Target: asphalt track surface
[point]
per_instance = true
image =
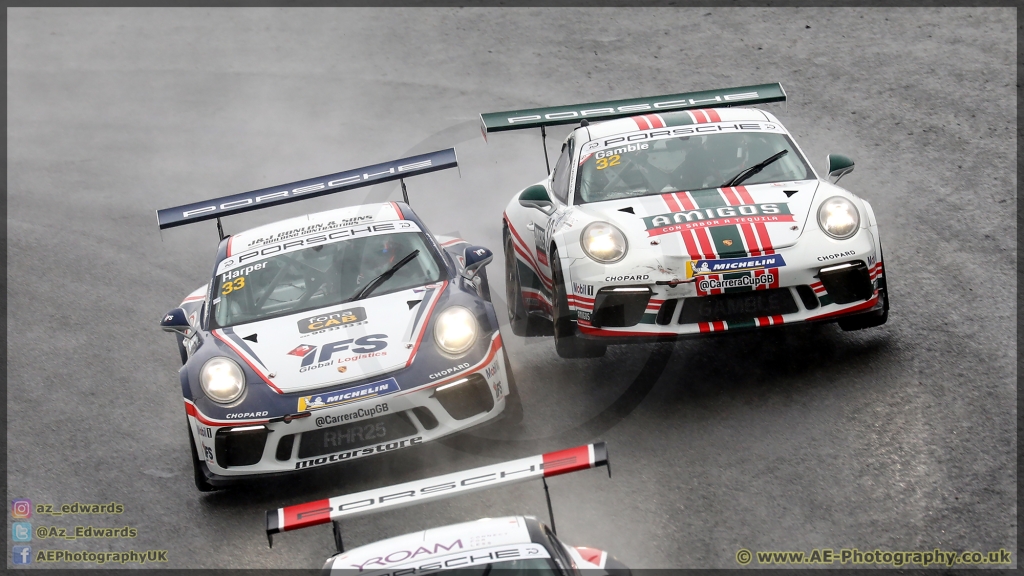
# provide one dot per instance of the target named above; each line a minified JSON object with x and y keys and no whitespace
{"x":898,"y":438}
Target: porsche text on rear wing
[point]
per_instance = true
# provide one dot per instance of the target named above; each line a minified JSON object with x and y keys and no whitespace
{"x":398,"y":496}
{"x":310,"y":188}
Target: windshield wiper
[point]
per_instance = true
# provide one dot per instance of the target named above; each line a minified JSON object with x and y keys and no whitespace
{"x":754,"y":169}
{"x":376,"y":282}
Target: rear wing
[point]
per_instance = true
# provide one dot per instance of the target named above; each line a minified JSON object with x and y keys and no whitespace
{"x":439,"y":487}
{"x":611,"y":109}
{"x":311,"y":188}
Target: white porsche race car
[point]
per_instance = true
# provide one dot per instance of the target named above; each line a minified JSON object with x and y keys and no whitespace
{"x":519,"y":543}
{"x":334,"y":336}
{"x":693,"y":218}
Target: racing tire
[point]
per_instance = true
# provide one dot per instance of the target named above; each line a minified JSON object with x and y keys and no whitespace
{"x":568,"y":341}
{"x":870,"y":319}
{"x":181,"y":348}
{"x":518,"y":317}
{"x":202,"y":484}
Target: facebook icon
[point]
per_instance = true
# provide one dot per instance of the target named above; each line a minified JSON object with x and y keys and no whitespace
{"x":21,"y":554}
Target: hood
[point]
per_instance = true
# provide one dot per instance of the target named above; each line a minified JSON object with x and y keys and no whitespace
{"x":338,"y":344}
{"x":731,"y":222}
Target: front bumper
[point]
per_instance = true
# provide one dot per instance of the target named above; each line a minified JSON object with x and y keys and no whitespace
{"x":819,"y":283}
{"x":231,"y":450}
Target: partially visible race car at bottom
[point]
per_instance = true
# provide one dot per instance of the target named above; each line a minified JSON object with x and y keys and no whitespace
{"x":521,"y":543}
{"x":334,"y":336}
{"x":684,"y":215}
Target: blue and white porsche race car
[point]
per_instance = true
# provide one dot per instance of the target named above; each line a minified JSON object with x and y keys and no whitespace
{"x":336,"y":335}
{"x":692,"y":218}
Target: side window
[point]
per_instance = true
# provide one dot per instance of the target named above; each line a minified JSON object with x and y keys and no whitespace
{"x":560,"y":181}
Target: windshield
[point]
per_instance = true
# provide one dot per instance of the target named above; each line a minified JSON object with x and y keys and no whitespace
{"x":685,"y":163}
{"x":321,"y":275}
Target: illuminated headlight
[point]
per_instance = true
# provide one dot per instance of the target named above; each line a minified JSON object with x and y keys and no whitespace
{"x":838,"y":217}
{"x":455,"y":330}
{"x":222,"y":379}
{"x":603,"y":242}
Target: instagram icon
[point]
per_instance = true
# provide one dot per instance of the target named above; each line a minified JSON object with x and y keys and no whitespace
{"x":21,"y":508}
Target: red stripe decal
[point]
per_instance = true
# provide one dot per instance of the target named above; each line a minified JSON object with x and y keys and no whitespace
{"x":526,"y":253}
{"x":687,"y":200}
{"x":426,"y":320}
{"x":399,"y":210}
{"x":230,"y":240}
{"x":712,"y":114}
{"x":857,"y":308}
{"x":762,"y":230}
{"x":192,"y":411}
{"x":308,"y":514}
{"x":263,"y":376}
{"x":565,"y":461}
{"x":671,"y":201}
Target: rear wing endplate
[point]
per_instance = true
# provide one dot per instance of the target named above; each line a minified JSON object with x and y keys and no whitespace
{"x":311,"y":188}
{"x":436,"y":488}
{"x":572,"y":114}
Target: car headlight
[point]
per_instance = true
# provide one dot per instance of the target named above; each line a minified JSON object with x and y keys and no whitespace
{"x":222,"y":379}
{"x":603,"y":242}
{"x":838,"y":217}
{"x":455,"y":330}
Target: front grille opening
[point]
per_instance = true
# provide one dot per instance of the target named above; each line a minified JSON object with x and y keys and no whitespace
{"x":466,"y":399}
{"x":239,"y":447}
{"x":355,"y":435}
{"x":738,"y":306}
{"x":284,"y":447}
{"x":620,"y":307}
{"x":849,"y":284}
{"x":668,"y":309}
{"x":425,"y":416}
{"x":807,"y":296}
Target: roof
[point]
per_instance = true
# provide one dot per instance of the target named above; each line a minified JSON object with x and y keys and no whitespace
{"x":680,"y":118}
{"x":416,"y":547}
{"x":325,"y":221}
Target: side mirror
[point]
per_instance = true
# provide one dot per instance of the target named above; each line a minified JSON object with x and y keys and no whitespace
{"x":175,"y":321}
{"x":536,"y":196}
{"x":476,"y":257}
{"x":839,"y":166}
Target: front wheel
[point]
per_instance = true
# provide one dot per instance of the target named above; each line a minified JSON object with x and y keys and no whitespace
{"x":568,"y":342}
{"x":518,"y":318}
